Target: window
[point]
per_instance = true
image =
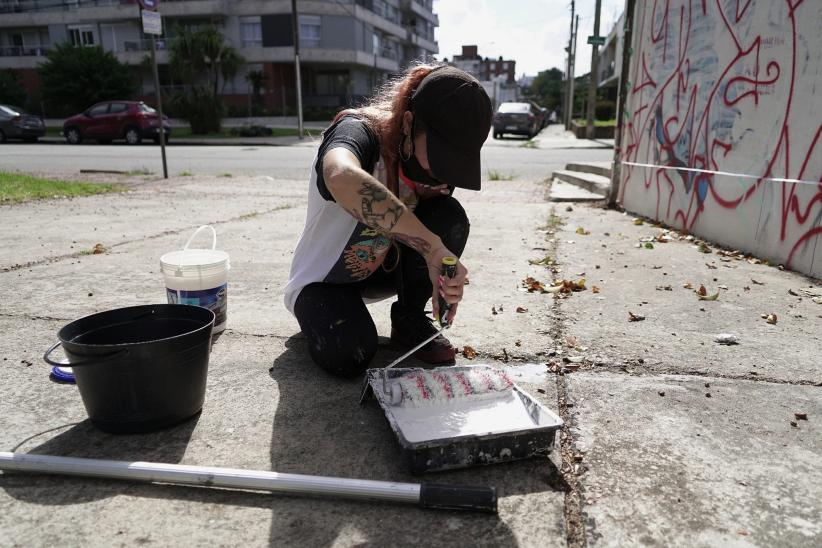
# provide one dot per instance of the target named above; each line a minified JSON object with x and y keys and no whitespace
{"x":147,"y":109}
{"x":118,"y":108}
{"x":310,"y":26}
{"x":493,"y":66}
{"x":81,"y":36}
{"x":505,"y":66}
{"x":251,"y":32}
{"x":98,"y":110}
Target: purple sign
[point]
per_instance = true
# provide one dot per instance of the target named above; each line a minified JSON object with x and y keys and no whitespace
{"x":149,"y":4}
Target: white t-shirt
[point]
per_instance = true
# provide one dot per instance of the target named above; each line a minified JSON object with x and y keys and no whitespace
{"x":334,"y":247}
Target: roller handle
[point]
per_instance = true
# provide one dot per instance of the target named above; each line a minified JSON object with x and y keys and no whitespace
{"x":458,"y":497}
{"x":449,"y":269}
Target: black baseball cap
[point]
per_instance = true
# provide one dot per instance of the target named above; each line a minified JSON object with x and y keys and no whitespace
{"x":457,"y":113}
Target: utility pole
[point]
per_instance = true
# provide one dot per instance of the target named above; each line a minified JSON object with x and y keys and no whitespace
{"x":573,"y":69}
{"x":295,"y":24}
{"x":594,"y":79}
{"x":624,"y":84}
{"x":570,"y":76}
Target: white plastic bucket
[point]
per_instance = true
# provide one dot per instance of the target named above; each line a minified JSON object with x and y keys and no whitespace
{"x":199,"y":277}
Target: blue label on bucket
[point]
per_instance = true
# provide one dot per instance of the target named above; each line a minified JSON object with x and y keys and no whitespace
{"x":215,"y":299}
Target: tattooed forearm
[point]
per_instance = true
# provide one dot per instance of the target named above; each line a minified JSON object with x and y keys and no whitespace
{"x":414,"y":242}
{"x":380,"y":209}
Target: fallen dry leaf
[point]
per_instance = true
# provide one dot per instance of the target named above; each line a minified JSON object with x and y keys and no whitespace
{"x":702,"y":292}
{"x":494,"y":310}
{"x":770,"y":318}
{"x":533,"y":285}
{"x":793,"y":293}
{"x":518,"y":343}
{"x":713,"y":297}
{"x":664,"y":288}
{"x":595,"y":289}
{"x":639,"y":222}
{"x":801,"y":416}
{"x":571,"y":366}
{"x":521,"y":309}
{"x":757,"y":283}
{"x":469,"y":352}
{"x":571,"y":341}
{"x":582,"y":231}
{"x":634,"y":317}
{"x":98,"y":249}
{"x":711,"y":266}
{"x":688,"y":285}
{"x":705,"y":248}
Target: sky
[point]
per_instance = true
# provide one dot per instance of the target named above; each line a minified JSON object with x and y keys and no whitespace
{"x":534,"y":33}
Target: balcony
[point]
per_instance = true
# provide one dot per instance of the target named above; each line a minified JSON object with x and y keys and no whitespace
{"x":25,"y":6}
{"x":23,"y":51}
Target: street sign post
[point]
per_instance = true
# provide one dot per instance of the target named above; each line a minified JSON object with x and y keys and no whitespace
{"x":153,"y":25}
{"x":596,"y":40}
{"x":152,"y":22}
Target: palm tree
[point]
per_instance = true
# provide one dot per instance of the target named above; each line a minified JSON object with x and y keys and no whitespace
{"x":200,"y":59}
{"x":204,"y":55}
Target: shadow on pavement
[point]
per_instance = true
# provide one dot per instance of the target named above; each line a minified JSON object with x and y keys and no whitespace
{"x":321,"y":429}
{"x":83,"y":440}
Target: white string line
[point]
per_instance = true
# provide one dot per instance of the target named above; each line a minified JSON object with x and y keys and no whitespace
{"x":726,"y":173}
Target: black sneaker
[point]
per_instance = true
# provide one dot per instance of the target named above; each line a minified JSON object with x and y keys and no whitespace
{"x":410,"y":328}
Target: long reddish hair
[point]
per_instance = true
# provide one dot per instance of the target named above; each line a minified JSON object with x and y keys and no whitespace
{"x":383,"y":114}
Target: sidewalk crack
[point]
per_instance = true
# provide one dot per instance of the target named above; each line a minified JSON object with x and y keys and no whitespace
{"x":75,"y":255}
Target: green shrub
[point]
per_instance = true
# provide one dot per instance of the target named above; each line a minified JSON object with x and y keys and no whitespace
{"x":605,"y":110}
{"x":11,"y":91}
{"x":252,"y":131}
{"x":74,"y":78}
{"x":200,"y":108}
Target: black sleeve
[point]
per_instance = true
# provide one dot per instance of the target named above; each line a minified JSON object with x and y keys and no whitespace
{"x":353,"y":134}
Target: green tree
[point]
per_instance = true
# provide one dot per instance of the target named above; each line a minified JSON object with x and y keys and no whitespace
{"x":74,"y":78}
{"x":11,"y":91}
{"x":202,"y":60}
{"x":257,"y":79}
{"x":547,"y":88}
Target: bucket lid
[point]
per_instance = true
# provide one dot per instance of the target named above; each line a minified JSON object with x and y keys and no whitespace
{"x":62,"y":374}
{"x":193,"y":259}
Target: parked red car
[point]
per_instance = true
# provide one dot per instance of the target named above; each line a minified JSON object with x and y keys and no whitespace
{"x":104,"y":122}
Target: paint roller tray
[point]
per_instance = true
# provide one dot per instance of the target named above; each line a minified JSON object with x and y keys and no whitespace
{"x":508,"y":425}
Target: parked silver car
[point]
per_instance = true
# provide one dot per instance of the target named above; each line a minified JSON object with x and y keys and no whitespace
{"x":15,"y":123}
{"x":517,"y":118}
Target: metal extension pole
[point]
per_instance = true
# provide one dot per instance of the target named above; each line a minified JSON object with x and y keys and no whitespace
{"x":454,"y":497}
{"x":295,"y":23}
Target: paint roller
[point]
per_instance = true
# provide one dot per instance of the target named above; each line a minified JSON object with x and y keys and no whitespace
{"x":444,"y":386}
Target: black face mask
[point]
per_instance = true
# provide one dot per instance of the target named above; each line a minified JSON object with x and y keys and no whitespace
{"x":412,"y":169}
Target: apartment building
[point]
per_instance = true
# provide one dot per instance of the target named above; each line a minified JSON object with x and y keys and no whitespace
{"x":484,"y":68}
{"x":347,"y":47}
{"x":497,"y":76}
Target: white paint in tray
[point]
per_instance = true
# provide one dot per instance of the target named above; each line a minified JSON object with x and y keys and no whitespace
{"x":510,"y":412}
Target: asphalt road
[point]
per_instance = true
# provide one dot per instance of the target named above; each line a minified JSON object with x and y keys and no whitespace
{"x":506,"y":157}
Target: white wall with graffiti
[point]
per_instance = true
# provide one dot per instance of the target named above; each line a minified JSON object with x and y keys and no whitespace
{"x":722,"y":133}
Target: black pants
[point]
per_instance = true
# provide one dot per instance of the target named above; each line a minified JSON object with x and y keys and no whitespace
{"x":342,"y":337}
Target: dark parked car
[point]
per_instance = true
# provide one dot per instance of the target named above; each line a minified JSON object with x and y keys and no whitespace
{"x":16,"y":124}
{"x":517,"y":118}
{"x":104,"y":122}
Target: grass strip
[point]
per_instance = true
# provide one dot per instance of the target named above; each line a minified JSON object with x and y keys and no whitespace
{"x":19,"y":187}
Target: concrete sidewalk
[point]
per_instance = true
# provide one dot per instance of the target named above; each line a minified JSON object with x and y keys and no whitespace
{"x":647,"y":456}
